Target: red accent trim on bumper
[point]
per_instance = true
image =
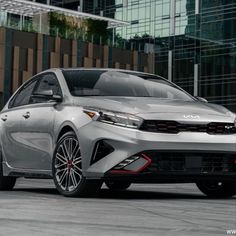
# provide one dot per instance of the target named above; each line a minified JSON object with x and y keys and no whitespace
{"x":149,"y":161}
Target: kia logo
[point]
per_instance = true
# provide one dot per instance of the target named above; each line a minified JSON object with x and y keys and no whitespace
{"x":191,"y":116}
{"x":229,"y":127}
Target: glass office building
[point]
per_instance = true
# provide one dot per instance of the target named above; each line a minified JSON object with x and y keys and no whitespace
{"x":194,"y":41}
{"x":70,"y":4}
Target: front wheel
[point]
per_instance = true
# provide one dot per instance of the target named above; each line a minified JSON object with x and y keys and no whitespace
{"x":117,"y":185}
{"x":67,"y":169}
{"x":217,"y":189}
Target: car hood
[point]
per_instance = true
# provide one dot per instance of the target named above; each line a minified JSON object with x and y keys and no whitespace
{"x":153,"y":108}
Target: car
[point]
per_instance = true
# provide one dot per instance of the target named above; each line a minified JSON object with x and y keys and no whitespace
{"x":85,"y":127}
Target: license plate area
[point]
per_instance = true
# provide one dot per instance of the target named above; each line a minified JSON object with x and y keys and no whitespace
{"x":195,"y":162}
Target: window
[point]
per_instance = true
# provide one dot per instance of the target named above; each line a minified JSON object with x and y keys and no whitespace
{"x":121,"y":84}
{"x":48,"y":82}
{"x":23,"y":96}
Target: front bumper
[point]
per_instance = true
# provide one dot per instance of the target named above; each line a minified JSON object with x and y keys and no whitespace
{"x":129,"y":142}
{"x":180,"y":166}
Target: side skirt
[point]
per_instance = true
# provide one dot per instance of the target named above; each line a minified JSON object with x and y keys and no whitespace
{"x":28,"y":173}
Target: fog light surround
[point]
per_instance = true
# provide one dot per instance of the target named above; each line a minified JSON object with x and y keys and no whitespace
{"x":132,"y":165}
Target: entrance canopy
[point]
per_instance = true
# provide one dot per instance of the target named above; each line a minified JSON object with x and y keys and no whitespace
{"x":31,"y":9}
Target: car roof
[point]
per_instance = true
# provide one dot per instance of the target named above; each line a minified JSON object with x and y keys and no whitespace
{"x":111,"y":69}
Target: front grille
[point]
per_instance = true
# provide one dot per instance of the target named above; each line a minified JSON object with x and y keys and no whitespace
{"x":217,"y":164}
{"x":191,"y":161}
{"x":173,"y":127}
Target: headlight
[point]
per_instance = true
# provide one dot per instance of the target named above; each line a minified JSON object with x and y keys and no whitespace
{"x":114,"y":118}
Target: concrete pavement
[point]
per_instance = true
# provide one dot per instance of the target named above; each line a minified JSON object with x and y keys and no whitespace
{"x":35,"y":208}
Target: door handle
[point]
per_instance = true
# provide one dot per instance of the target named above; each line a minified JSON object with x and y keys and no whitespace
{"x":4,"y":118}
{"x":26,"y":115}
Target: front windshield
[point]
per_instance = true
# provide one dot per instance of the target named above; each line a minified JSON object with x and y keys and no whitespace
{"x":122,"y":84}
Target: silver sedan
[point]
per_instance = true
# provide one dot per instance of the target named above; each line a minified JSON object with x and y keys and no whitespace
{"x":83,"y":127}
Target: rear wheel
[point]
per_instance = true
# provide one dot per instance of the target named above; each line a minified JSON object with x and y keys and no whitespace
{"x":67,"y":169}
{"x":217,"y":189}
{"x":6,"y":182}
{"x":117,"y":185}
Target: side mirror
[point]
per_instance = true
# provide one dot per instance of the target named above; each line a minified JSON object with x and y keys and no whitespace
{"x":47,"y":95}
{"x":201,"y":99}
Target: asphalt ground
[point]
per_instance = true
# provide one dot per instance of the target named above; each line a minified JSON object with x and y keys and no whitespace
{"x":34,"y":207}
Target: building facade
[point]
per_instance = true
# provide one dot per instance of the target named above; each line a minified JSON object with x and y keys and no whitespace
{"x":194,"y":41}
{"x":24,"y":54}
{"x":190,"y":42}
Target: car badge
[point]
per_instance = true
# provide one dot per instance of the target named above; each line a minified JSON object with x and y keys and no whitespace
{"x":191,"y":116}
{"x":229,"y":127}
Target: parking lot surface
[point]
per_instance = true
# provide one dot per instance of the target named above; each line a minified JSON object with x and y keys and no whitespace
{"x":34,"y":207}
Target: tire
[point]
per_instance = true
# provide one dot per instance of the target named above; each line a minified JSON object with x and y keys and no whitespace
{"x":67,"y":169}
{"x":117,"y":185}
{"x":6,"y":182}
{"x":217,"y":189}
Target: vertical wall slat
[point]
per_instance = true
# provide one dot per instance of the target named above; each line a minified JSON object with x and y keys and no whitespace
{"x":65,"y":61}
{"x":135,"y":60}
{"x":105,"y":56}
{"x":2,"y":58}
{"x":16,"y":62}
{"x":39,"y":53}
{"x":30,"y":60}
{"x":8,"y":65}
{"x":74,"y":53}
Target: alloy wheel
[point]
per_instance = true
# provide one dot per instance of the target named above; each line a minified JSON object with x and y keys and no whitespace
{"x":68,"y":164}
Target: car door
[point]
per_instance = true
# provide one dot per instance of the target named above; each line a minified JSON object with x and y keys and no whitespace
{"x":37,"y":128}
{"x":11,"y":121}
{"x":35,"y":134}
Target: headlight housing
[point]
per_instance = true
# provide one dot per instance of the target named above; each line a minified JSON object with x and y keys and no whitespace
{"x":114,"y":118}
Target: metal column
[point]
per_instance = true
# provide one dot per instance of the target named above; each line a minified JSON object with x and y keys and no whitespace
{"x":172,"y":33}
{"x":40,"y":22}
{"x":172,"y":17}
{"x":170,"y":65}
{"x":195,"y":83}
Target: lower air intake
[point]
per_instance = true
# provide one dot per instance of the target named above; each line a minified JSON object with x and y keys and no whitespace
{"x":102,"y":149}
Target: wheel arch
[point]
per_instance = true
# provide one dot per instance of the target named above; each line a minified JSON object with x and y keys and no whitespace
{"x":66,"y":128}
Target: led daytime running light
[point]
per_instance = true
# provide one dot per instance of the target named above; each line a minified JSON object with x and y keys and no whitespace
{"x":115,"y":118}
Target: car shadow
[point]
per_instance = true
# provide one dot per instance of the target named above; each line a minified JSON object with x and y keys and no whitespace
{"x":138,"y":194}
{"x":50,"y":191}
{"x":122,"y":194}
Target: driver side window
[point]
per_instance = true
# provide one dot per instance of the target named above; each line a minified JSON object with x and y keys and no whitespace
{"x":23,"y":96}
{"x":46,"y":82}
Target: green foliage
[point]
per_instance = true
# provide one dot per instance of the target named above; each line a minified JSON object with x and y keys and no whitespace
{"x":60,"y":24}
{"x":57,"y":23}
{"x":96,"y":27}
{"x":28,"y":27}
{"x":65,"y":26}
{"x":119,"y":41}
{"x":57,"y":19}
